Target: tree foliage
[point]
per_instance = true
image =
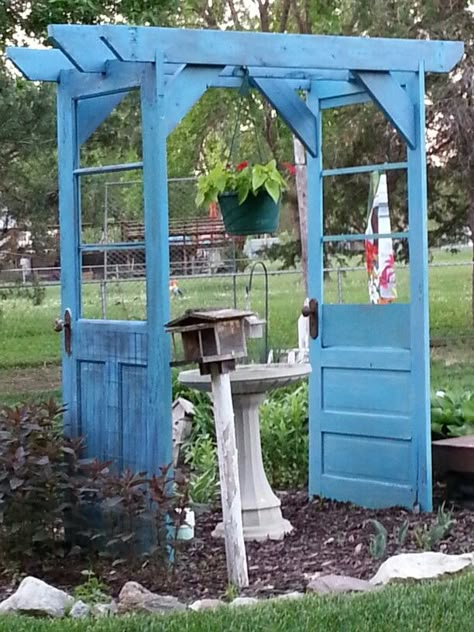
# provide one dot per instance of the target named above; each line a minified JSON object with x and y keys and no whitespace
{"x":353,"y":135}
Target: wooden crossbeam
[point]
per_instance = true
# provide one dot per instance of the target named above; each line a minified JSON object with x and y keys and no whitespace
{"x":86,"y":53}
{"x":393,"y":101}
{"x":268,"y":49}
{"x":39,"y":64}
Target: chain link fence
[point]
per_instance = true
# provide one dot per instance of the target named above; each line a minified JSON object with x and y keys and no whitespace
{"x":207,"y":269}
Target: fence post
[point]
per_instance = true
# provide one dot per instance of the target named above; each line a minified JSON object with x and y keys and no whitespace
{"x":339,"y":286}
{"x":103,"y":299}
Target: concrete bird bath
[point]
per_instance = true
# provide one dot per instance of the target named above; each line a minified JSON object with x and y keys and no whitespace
{"x":261,"y":512}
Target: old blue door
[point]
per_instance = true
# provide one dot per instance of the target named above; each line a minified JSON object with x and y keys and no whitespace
{"x":116,"y":376}
{"x":369,"y":393}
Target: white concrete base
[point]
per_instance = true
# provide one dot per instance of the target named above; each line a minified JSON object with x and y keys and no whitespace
{"x":262,"y":532}
{"x":261,"y":509}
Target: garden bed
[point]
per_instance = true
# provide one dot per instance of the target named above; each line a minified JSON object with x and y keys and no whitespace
{"x":329,"y":537}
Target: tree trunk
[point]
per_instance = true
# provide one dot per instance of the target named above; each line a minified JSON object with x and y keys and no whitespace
{"x":301,"y":191}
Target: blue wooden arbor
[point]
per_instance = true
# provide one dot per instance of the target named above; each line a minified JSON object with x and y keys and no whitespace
{"x":369,"y":395}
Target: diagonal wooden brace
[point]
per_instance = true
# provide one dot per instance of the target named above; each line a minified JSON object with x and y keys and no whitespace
{"x":393,"y":101}
{"x":292,"y":109}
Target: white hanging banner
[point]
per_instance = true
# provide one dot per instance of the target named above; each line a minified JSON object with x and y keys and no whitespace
{"x":379,"y":255}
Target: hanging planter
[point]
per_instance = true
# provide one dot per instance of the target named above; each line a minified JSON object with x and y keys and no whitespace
{"x":248,"y":196}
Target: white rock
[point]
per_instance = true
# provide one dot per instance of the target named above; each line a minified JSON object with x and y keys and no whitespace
{"x":421,"y":566}
{"x":291,"y":596}
{"x":36,"y":597}
{"x":80,"y":610}
{"x":104,"y":609}
{"x":205,"y":604}
{"x":243,"y":601}
{"x":326,"y":584}
{"x":136,"y":598}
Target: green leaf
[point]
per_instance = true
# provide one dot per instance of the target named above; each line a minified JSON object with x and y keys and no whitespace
{"x":199,"y":200}
{"x":243,"y":190}
{"x":258,"y":178}
{"x":467,"y":410}
{"x":273,"y":190}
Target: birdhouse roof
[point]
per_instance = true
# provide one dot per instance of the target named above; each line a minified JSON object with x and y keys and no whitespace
{"x":198,"y":316}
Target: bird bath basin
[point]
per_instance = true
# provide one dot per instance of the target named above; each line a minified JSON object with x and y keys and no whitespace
{"x":261,"y":511}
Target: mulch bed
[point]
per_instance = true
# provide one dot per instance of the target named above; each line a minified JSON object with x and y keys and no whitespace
{"x":328,"y":537}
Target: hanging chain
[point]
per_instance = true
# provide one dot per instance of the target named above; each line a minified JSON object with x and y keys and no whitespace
{"x":245,"y":92}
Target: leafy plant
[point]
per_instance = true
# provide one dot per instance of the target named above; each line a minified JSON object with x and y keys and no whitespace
{"x":42,"y":479}
{"x":244,"y":179}
{"x":124,"y":500}
{"x":452,"y":416}
{"x":231,"y":593}
{"x":92,"y":591}
{"x":427,"y":538}
{"x":401,"y":534}
{"x":284,"y":436}
{"x":169,"y":495}
{"x":201,"y":456}
{"x":378,"y":541}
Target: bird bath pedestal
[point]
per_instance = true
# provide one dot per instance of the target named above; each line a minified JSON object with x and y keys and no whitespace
{"x":261,"y":512}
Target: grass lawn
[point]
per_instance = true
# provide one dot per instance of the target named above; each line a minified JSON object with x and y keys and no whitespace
{"x":444,"y":606}
{"x":27,"y":338}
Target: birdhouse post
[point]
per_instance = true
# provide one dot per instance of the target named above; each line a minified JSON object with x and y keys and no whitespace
{"x":215,"y":339}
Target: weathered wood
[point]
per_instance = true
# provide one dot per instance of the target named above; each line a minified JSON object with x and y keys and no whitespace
{"x":255,"y":49}
{"x":301,"y":192}
{"x":229,"y":479}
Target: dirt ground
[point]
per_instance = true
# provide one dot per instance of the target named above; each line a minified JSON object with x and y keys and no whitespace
{"x":31,"y":380}
{"x":328,"y":537}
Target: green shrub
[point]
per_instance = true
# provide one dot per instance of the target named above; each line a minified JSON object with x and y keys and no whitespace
{"x":284,"y":434}
{"x":452,"y":416}
{"x":41,"y":478}
{"x":53,"y":502}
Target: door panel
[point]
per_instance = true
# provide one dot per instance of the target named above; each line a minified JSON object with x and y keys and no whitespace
{"x":133,"y":415}
{"x":366,"y":409}
{"x":110,"y":357}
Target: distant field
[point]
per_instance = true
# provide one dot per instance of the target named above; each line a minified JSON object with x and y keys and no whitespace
{"x":27,"y":338}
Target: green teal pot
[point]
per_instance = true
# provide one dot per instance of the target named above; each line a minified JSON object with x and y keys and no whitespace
{"x":257,"y":215}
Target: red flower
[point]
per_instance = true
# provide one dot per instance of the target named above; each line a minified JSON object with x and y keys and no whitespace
{"x":290,"y":168}
{"x":241,"y":166}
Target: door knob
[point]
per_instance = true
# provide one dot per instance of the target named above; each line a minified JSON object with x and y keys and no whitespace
{"x":64,"y":324}
{"x":311,"y":311}
{"x":58,"y":324}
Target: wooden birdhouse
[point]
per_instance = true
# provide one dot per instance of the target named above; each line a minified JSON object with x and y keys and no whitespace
{"x":212,"y":336}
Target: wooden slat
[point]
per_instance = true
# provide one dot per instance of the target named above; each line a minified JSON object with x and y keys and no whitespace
{"x":367,"y":492}
{"x":370,"y":424}
{"x":372,"y":358}
{"x":366,"y":391}
{"x":346,"y":456}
